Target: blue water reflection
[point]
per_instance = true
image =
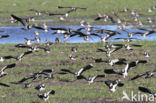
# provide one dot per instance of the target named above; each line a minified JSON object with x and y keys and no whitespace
{"x":17,"y":35}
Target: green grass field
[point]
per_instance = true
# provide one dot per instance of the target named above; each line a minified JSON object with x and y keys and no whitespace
{"x":78,"y":91}
{"x":21,"y":8}
{"x":58,"y":58}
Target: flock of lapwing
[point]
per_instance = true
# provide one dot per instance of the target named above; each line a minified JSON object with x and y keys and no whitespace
{"x":86,"y":31}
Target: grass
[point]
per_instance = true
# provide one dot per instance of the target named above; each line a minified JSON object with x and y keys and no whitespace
{"x":21,"y":8}
{"x":78,"y":91}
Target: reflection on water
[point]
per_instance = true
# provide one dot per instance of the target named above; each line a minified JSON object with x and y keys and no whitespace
{"x":17,"y":35}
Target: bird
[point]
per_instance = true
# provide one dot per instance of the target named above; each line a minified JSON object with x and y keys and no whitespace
{"x":33,"y":77}
{"x":29,"y":47}
{"x":19,"y":58}
{"x":40,"y":87}
{"x":92,"y":79}
{"x":146,"y":90}
{"x":65,"y":31}
{"x":4,"y":85}
{"x":119,"y":21}
{"x":124,"y":71}
{"x":117,"y":61}
{"x":36,"y":33}
{"x":2,"y":73}
{"x":134,"y":33}
{"x":61,"y":30}
{"x":131,"y":65}
{"x":71,"y":57}
{"x":58,"y":40}
{"x":22,"y":46}
{"x":80,"y":34}
{"x":126,"y":39}
{"x":125,"y":10}
{"x":127,"y":46}
{"x":74,"y":49}
{"x":27,"y":85}
{"x":112,"y":84}
{"x":112,"y":62}
{"x":153,"y":7}
{"x":22,"y":21}
{"x":146,"y":54}
{"x":28,"y":41}
{"x":3,"y":58}
{"x":44,"y":28}
{"x":109,"y":52}
{"x":78,"y":75}
{"x":45,"y":96}
{"x":105,"y":17}
{"x":46,"y":49}
{"x":73,"y":8}
{"x":147,"y":74}
{"x":38,"y":13}
{"x":99,"y":60}
{"x":149,"y":20}
{"x":116,"y":71}
{"x":4,"y":36}
{"x":110,"y":33}
{"x":53,"y":14}
{"x":149,"y":10}
{"x":148,"y":32}
{"x":37,"y":39}
{"x":48,"y":43}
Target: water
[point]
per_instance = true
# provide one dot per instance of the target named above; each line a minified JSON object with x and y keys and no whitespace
{"x":17,"y":34}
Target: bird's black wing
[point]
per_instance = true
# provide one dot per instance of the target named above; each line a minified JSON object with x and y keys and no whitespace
{"x":9,"y":66}
{"x":132,"y":64}
{"x":101,"y":50}
{"x":38,"y":27}
{"x":146,"y":90}
{"x":108,"y":82}
{"x":27,"y":52}
{"x":52,"y":14}
{"x":137,"y":76}
{"x":22,"y":80}
{"x":58,"y":29}
{"x":112,"y":19}
{"x":47,"y":70}
{"x":19,"y":19}
{"x":100,"y":60}
{"x":8,"y":57}
{"x":66,"y":70}
{"x":22,"y":46}
{"x":98,"y":18}
{"x":84,"y":69}
{"x":142,"y":61}
{"x":100,"y":76}
{"x":112,"y":71}
{"x":4,"y":36}
{"x":118,"y":38}
{"x":116,"y":49}
{"x":136,"y":45}
{"x":5,"y":85}
{"x":120,"y":84}
{"x":119,"y":45}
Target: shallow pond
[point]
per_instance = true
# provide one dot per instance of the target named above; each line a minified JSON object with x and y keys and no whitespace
{"x":17,"y":34}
